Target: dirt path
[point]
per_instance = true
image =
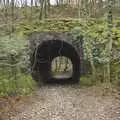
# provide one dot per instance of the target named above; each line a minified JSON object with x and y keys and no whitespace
{"x":69,"y":103}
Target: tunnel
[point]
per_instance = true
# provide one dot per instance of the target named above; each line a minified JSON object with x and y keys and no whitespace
{"x":45,"y":50}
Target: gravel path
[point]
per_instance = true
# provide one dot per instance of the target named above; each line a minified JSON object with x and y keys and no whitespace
{"x":69,"y":103}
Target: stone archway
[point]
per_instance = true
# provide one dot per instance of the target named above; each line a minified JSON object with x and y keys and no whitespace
{"x":45,"y":52}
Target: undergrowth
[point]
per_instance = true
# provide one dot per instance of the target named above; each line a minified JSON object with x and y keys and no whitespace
{"x":15,"y":76}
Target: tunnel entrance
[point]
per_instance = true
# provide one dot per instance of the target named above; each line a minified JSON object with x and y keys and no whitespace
{"x":44,"y":56}
{"x":61,"y":66}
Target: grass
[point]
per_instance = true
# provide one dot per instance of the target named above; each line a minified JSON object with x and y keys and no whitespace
{"x":19,"y":85}
{"x":86,"y":81}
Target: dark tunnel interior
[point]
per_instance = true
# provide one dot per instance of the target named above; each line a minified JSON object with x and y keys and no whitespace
{"x":46,"y":52}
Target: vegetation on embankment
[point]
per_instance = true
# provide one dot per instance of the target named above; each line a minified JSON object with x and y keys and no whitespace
{"x":95,"y":30}
{"x":14,"y":48}
{"x":14,"y":77}
{"x":64,"y":25}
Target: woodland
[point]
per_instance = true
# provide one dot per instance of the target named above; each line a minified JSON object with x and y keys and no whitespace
{"x":98,"y":21}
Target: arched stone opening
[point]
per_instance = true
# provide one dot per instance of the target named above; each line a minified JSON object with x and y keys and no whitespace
{"x":44,"y":55}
